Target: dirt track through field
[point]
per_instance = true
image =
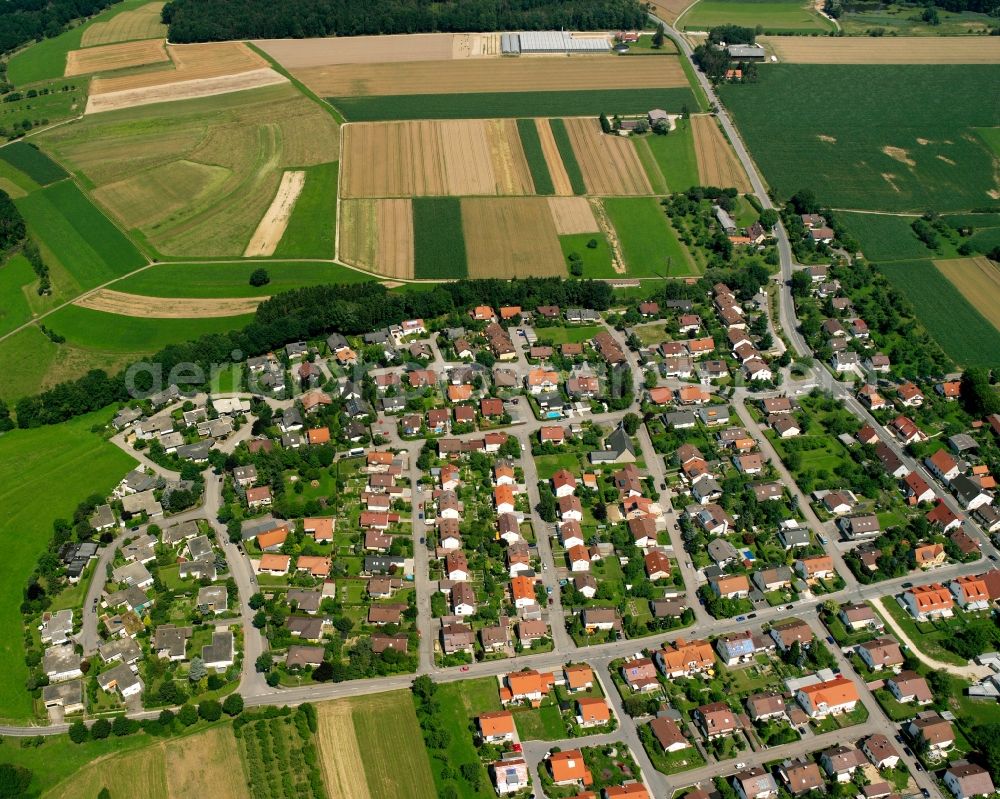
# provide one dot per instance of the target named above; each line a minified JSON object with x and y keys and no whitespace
{"x":272,"y":227}
{"x":978,"y":279}
{"x":493,"y":75}
{"x":118,"y":302}
{"x":115,"y":56}
{"x":433,"y":158}
{"x":183,"y":90}
{"x":557,"y":169}
{"x":609,"y":164}
{"x":573,"y":215}
{"x":511,"y":238}
{"x":297,"y":53}
{"x":340,"y":755}
{"x":717,"y":163}
{"x":884,"y":49}
{"x":142,"y":23}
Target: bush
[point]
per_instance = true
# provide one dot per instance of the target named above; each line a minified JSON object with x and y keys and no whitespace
{"x":233,"y":705}
{"x":259,"y":277}
{"x":210,"y":710}
{"x":78,"y":732}
{"x":187,"y":715}
{"x":100,"y":730}
{"x":14,"y":781}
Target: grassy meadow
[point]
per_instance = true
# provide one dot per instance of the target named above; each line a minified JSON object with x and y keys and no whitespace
{"x":774,"y":16}
{"x":438,"y":241}
{"x":32,"y":463}
{"x":313,"y":222}
{"x":596,"y":261}
{"x":891,"y":138}
{"x":647,"y":239}
{"x":16,"y":277}
{"x":672,"y":156}
{"x":32,"y":162}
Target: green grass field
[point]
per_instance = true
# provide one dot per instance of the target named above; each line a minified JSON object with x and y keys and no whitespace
{"x":565,"y":147}
{"x":218,"y":279}
{"x":648,"y":161}
{"x":311,"y":228}
{"x":438,"y":242}
{"x":14,"y":276}
{"x":512,"y":104}
{"x":543,"y":723}
{"x":774,"y":16}
{"x":885,"y":238}
{"x":647,"y":239}
{"x":528,"y":133}
{"x":926,"y":112}
{"x":32,"y":463}
{"x":674,"y":156}
{"x":573,"y":334}
{"x":32,"y":162}
{"x":548,"y":465}
{"x":396,"y":762}
{"x":959,"y":328}
{"x":27,"y":355}
{"x":109,"y":332}
{"x":14,"y":181}
{"x":84,"y":241}
{"x":900,"y":20}
{"x":597,"y":261}
{"x":56,"y":100}
{"x":455,"y":715}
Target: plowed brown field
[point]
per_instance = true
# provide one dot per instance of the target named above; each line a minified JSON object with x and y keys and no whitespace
{"x":511,"y":238}
{"x":884,"y":50}
{"x":493,"y":75}
{"x":427,"y":158}
{"x":377,"y":235}
{"x":717,"y":163}
{"x":115,"y":56}
{"x":573,"y":215}
{"x":609,"y":164}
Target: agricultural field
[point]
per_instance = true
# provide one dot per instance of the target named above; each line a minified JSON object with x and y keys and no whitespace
{"x":774,"y":16}
{"x":232,"y":279}
{"x":962,"y":331}
{"x":110,"y":57}
{"x":311,"y":229}
{"x":51,"y":102}
{"x":564,"y":153}
{"x":555,"y":166}
{"x":439,"y":247}
{"x":978,"y":280}
{"x":421,"y":158}
{"x":86,"y":464}
{"x":384,"y":727}
{"x":884,"y":237}
{"x":717,"y":162}
{"x":511,"y":238}
{"x":537,"y":155}
{"x":888,"y":148}
{"x":16,"y":278}
{"x":609,"y":164}
{"x":900,"y":20}
{"x":377,"y":235}
{"x":196,"y":177}
{"x":295,"y":54}
{"x":127,"y":26}
{"x":671,"y":157}
{"x":121,"y":303}
{"x":648,"y":243}
{"x":573,"y":215}
{"x":510,"y":75}
{"x":34,"y":164}
{"x":272,"y":226}
{"x":669,"y":10}
{"x":279,"y":758}
{"x":882,"y":50}
{"x":480,"y":105}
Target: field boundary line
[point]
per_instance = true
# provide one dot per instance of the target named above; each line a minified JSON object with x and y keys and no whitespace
{"x":332,"y":110}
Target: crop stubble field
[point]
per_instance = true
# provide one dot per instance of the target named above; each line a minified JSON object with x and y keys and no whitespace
{"x":377,"y":235}
{"x":717,"y":163}
{"x":978,"y":279}
{"x":123,"y":304}
{"x":557,"y":169}
{"x":110,"y":57}
{"x":884,"y":49}
{"x":511,"y":238}
{"x":447,"y":157}
{"x":196,"y":177}
{"x":127,"y":26}
{"x":573,"y":215}
{"x":609,"y":164}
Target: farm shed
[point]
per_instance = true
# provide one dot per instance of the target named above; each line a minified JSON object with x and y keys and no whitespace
{"x":551,"y":42}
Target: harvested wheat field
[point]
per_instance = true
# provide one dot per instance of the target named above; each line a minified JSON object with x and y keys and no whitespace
{"x":670,"y":10}
{"x":610,"y":164}
{"x":433,"y":158}
{"x":717,"y":163}
{"x":377,"y":235}
{"x":205,"y":764}
{"x":340,"y":754}
{"x":118,"y":302}
{"x":140,"y":773}
{"x":115,"y":56}
{"x":297,"y":53}
{"x":511,"y":238}
{"x":128,"y":26}
{"x":272,"y":227}
{"x":978,"y":279}
{"x":884,"y":49}
{"x":488,"y":75}
{"x":184,"y":90}
{"x":573,"y":215}
{"x":550,"y":151}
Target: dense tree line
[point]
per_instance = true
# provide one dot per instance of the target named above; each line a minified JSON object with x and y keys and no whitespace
{"x":12,"y":229}
{"x":303,"y":314}
{"x":22,"y":21}
{"x":215,"y":20}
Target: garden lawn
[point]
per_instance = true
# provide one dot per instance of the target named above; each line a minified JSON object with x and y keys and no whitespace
{"x":217,"y":279}
{"x":886,"y":137}
{"x":512,"y":104}
{"x":597,"y":260}
{"x":114,"y":333}
{"x":438,"y":240}
{"x":548,"y":465}
{"x":674,"y":156}
{"x":455,"y":718}
{"x":564,"y":335}
{"x":963,"y":333}
{"x":311,"y":227}
{"x":44,"y":474}
{"x":649,"y":245}
{"x":543,"y":723}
